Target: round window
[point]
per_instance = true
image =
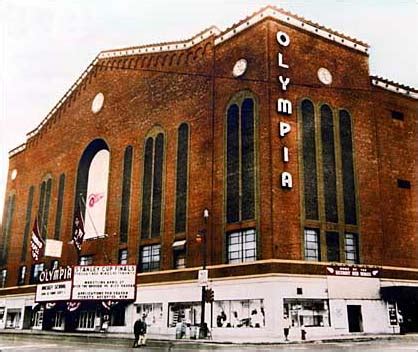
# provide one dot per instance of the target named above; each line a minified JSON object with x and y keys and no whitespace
{"x":97,"y":103}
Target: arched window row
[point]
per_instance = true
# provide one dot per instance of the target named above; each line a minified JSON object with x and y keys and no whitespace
{"x":327,"y":142}
{"x":240,"y":161}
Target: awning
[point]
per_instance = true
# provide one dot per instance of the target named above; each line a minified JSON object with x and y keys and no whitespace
{"x":178,"y":245}
{"x":400,"y":293}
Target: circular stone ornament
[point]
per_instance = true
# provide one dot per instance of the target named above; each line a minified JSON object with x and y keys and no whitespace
{"x":324,"y":76}
{"x":13,"y":174}
{"x":239,"y":68}
{"x":97,"y":103}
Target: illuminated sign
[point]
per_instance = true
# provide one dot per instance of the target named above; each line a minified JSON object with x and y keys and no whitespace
{"x":284,"y":107}
{"x":54,"y":291}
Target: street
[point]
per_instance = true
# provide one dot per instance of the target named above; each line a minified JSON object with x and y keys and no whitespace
{"x":28,"y":343}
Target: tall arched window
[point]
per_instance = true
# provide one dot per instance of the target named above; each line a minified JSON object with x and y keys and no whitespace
{"x":152,"y":187}
{"x":92,"y":187}
{"x":240,"y":161}
{"x":182,"y":177}
{"x":309,"y":161}
{"x":328,"y":160}
{"x":27,"y":223}
{"x":126,"y":194}
{"x":60,"y":202}
{"x":44,"y":202}
{"x":347,"y":168}
{"x":7,"y":225}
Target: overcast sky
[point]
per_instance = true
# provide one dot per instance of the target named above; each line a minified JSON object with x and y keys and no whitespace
{"x":46,"y":44}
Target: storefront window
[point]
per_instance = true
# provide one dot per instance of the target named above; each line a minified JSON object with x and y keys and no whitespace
{"x":307,"y":312}
{"x":189,"y":312}
{"x":153,"y":313}
{"x":239,"y":314}
{"x":58,"y":320}
{"x":86,"y":320}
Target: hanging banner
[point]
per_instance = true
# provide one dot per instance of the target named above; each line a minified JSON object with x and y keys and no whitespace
{"x":104,"y":282}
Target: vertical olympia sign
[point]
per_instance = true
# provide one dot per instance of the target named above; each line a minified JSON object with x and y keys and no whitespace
{"x":284,"y":107}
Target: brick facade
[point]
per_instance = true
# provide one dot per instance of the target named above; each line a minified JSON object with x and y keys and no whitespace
{"x":195,"y":86}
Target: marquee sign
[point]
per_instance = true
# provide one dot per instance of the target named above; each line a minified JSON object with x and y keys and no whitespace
{"x":54,"y":285}
{"x":284,"y":107}
{"x":104,"y":282}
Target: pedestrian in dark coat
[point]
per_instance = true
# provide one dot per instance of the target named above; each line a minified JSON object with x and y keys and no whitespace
{"x":140,"y":332}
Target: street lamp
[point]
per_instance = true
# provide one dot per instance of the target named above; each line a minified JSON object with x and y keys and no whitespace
{"x":201,"y":238}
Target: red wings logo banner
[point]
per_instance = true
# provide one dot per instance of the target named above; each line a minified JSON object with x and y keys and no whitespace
{"x":37,"y":244}
{"x":94,"y":198}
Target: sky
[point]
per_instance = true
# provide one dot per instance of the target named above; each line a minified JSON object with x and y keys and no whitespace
{"x":46,"y":44}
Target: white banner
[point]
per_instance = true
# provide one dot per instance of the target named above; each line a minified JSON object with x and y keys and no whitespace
{"x":96,"y":200}
{"x":53,"y":248}
{"x":54,"y":291}
{"x":107,"y":282}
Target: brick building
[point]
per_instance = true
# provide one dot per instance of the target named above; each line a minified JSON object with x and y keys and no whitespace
{"x":306,"y":164}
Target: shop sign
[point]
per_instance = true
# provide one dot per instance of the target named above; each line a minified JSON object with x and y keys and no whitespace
{"x":53,"y":291}
{"x":203,"y":277}
{"x":104,"y":282}
{"x":284,"y":107}
{"x":352,"y":271}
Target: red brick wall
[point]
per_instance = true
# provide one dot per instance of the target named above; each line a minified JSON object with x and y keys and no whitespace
{"x":195,"y":87}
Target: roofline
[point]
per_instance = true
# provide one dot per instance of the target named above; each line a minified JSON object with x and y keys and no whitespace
{"x":394,"y":87}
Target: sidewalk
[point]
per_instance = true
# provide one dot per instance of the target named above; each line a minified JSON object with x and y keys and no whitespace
{"x":126,"y":339}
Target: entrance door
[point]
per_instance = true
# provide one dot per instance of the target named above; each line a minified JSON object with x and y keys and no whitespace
{"x":355,"y":320}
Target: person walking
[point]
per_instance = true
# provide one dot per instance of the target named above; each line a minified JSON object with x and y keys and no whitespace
{"x":140,"y":332}
{"x":286,"y":327}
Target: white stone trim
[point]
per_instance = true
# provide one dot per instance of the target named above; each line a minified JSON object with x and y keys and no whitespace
{"x":394,"y":88}
{"x":294,"y":21}
{"x":163,"y":47}
{"x":17,"y":150}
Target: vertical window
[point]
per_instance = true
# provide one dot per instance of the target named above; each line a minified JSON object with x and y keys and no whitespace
{"x":349,"y":191}
{"x":242,"y":246}
{"x":60,"y":201}
{"x":3,"y":278}
{"x":55,"y":264}
{"x":126,"y":195}
{"x":152,"y":187}
{"x":86,"y":260}
{"x":150,"y":258}
{"x":182,"y":177}
{"x":328,"y":159}
{"x":27,"y":224}
{"x":22,"y":275}
{"x":35,"y":272}
{"x":44,"y":201}
{"x":7,"y":224}
{"x":180,"y":258}
{"x":240,"y":162}
{"x":312,"y":247}
{"x":333,"y":246}
{"x":309,"y":161}
{"x":351,"y":248}
{"x":123,"y":256}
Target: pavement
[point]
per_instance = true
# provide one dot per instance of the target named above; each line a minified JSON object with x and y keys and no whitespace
{"x":127,"y":339}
